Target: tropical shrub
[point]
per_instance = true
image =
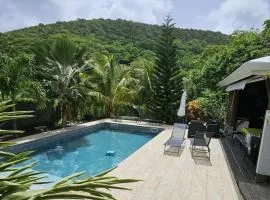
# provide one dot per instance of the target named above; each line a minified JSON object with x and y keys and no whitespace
{"x":214,"y":104}
{"x":195,"y":110}
{"x":17,"y":81}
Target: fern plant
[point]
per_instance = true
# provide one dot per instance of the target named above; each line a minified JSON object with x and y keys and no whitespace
{"x":16,"y":181}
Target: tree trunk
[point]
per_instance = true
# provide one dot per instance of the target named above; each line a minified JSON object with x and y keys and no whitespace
{"x":110,"y":109}
{"x":15,"y":127}
{"x":62,"y":115}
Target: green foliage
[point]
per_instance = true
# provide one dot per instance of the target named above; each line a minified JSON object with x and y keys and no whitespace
{"x":266,"y":33}
{"x":142,"y":70}
{"x":16,"y":184}
{"x":17,"y":81}
{"x":6,"y":115}
{"x":125,"y":39}
{"x":60,"y":65}
{"x":204,"y":58}
{"x":217,"y":62}
{"x":214,"y":103}
{"x":131,"y":44}
{"x":165,"y":79}
{"x":111,"y":85}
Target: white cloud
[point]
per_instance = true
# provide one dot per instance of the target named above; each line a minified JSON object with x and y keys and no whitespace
{"x":239,"y":15}
{"x":12,"y":18}
{"x":230,"y":15}
{"x":149,"y":11}
{"x":17,"y":14}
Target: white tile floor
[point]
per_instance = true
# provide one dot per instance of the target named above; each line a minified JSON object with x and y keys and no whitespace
{"x":168,"y":177}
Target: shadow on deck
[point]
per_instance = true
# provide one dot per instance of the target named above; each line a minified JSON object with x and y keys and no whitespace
{"x":244,"y":171}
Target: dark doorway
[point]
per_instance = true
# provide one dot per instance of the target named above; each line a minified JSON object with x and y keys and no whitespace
{"x":252,"y":104}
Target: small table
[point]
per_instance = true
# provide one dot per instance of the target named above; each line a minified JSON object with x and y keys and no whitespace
{"x":252,"y":131}
{"x":252,"y":139}
{"x":249,"y":133}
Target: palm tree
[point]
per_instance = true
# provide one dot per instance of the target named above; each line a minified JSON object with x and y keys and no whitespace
{"x":112,"y":84}
{"x":17,"y":83}
{"x":141,"y":69}
{"x":61,"y":65}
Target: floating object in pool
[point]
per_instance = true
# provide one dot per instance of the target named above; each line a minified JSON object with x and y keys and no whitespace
{"x":59,"y":148}
{"x":55,"y":153}
{"x":110,"y":153}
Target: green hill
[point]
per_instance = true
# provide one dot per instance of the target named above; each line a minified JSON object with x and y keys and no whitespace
{"x":126,"y":39}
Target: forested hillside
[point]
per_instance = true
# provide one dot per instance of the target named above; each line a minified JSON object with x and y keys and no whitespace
{"x":126,"y":39}
{"x":102,"y":68}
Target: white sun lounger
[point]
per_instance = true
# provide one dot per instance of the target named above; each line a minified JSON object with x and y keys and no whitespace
{"x":177,"y":138}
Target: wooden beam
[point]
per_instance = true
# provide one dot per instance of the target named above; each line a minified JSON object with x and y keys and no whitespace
{"x":231,"y":111}
{"x":232,"y":108}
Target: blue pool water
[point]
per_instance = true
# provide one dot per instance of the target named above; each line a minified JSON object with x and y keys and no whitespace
{"x":88,"y":153}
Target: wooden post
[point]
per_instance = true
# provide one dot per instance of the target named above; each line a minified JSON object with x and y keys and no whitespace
{"x":228,"y":114}
{"x":232,"y":108}
{"x":231,"y":111}
{"x":267,"y":83}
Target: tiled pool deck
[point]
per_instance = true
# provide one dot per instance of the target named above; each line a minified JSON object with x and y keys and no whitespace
{"x":169,"y":177}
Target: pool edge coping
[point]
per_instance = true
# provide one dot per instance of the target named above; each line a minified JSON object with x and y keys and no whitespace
{"x":48,"y":134}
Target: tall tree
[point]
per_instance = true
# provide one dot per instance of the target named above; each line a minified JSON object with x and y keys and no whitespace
{"x":166,"y":83}
{"x":60,"y":66}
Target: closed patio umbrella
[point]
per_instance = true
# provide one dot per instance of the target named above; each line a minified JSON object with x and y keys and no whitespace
{"x":182,"y":109}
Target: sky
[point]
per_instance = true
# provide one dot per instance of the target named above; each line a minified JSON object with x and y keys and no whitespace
{"x":225,"y":16}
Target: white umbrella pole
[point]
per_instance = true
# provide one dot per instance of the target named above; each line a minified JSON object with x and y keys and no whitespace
{"x":182,"y":109}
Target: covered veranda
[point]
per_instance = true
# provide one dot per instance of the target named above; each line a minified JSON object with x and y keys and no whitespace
{"x":247,"y":126}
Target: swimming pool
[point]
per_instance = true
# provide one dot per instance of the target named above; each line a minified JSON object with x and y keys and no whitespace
{"x":89,"y":151}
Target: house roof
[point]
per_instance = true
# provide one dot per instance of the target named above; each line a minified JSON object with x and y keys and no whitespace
{"x":256,"y":67}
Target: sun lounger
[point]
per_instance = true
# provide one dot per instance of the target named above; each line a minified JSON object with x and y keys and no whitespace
{"x":177,"y":137}
{"x":195,"y":126}
{"x":201,"y":144}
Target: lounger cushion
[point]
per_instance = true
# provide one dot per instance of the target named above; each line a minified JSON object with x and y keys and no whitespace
{"x":174,"y":142}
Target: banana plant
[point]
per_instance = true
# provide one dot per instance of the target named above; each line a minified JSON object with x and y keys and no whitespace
{"x":17,"y":178}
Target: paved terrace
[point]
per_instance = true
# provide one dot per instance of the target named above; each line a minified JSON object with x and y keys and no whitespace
{"x":171,"y":177}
